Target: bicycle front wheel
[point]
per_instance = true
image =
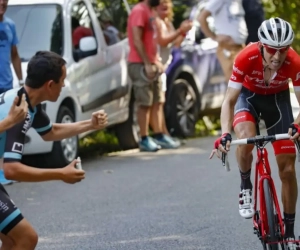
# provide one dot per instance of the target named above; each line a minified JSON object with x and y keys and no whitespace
{"x":271,"y":216}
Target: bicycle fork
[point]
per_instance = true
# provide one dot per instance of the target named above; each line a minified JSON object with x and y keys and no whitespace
{"x":262,"y":172}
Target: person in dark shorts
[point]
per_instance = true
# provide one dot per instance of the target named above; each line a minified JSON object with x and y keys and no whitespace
{"x":254,"y":16}
{"x":46,"y":73}
{"x":9,"y":55}
{"x":144,"y":70}
{"x":259,"y":87}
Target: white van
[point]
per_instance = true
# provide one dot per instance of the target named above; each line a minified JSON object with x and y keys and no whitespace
{"x":96,"y":72}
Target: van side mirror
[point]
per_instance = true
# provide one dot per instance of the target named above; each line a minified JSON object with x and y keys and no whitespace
{"x":87,"y":47}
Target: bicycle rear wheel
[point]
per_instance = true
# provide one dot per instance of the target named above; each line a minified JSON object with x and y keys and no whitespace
{"x":271,"y":216}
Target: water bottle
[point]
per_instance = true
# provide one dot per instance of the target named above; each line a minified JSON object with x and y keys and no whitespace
{"x":78,"y":165}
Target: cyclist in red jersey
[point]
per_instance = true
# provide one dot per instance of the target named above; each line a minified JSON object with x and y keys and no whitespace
{"x":259,"y":87}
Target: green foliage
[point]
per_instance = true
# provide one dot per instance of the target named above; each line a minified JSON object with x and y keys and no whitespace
{"x":100,"y":136}
{"x":203,"y":129}
{"x":114,"y":10}
{"x":98,"y":143}
{"x":180,"y":13}
{"x":287,"y":10}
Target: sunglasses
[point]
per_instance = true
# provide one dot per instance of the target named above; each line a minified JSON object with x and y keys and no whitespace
{"x":273,"y":50}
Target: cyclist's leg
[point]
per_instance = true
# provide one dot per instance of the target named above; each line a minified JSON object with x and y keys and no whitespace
{"x":13,"y":227}
{"x":7,"y":243}
{"x":245,"y":126}
{"x":278,"y":122}
{"x":24,"y":236}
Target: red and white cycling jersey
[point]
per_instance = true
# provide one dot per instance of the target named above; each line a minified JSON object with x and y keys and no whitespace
{"x":248,"y":72}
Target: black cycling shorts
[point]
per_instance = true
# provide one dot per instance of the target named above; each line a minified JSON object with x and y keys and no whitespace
{"x":274,"y":109}
{"x":10,"y":215}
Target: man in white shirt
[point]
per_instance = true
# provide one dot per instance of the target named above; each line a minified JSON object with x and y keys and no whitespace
{"x":230,"y":30}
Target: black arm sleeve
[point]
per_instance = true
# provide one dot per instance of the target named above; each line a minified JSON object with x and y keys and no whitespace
{"x":14,"y":145}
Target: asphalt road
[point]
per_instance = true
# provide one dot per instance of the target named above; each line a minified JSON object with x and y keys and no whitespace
{"x":170,"y":200}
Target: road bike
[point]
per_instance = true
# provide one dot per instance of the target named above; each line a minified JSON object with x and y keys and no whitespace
{"x":268,"y":223}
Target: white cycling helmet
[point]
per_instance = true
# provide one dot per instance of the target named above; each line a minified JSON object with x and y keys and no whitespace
{"x":276,"y":32}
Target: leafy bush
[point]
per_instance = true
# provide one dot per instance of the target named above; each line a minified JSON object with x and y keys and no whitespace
{"x":287,"y":10}
{"x":98,"y":143}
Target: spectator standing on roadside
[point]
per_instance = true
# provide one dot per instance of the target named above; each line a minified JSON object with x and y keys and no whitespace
{"x":168,"y":37}
{"x":8,"y":54}
{"x":254,"y":16}
{"x":108,"y":26}
{"x":231,"y":30}
{"x":78,"y":32}
{"x":145,"y":68}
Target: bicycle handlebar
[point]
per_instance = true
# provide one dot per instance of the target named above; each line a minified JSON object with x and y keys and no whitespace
{"x":254,"y":140}
{"x":260,"y":138}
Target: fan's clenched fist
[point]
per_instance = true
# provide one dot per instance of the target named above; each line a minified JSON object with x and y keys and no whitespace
{"x":99,"y":120}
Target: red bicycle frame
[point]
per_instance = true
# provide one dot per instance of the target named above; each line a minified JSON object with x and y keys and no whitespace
{"x":262,"y":172}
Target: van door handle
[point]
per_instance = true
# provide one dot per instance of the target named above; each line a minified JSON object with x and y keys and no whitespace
{"x":107,"y":56}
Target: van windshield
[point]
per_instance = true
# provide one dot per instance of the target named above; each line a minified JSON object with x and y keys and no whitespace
{"x":39,"y":27}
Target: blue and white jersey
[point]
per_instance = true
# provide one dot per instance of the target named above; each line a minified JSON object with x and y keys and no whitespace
{"x":12,"y":141}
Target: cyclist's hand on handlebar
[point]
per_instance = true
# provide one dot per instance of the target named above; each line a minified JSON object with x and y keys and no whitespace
{"x":294,"y":131}
{"x":222,"y":144}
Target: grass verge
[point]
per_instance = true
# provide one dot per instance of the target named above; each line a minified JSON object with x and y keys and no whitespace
{"x":98,"y":143}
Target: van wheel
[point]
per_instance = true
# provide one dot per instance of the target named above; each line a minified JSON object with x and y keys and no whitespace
{"x":128,"y":132}
{"x":183,"y":109}
{"x":66,"y":150}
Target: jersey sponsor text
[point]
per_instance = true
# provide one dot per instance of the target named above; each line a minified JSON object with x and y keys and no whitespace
{"x":27,"y":123}
{"x":249,"y":68}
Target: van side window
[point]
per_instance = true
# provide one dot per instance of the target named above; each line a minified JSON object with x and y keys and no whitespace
{"x":81,"y":23}
{"x":41,"y":23}
{"x":112,"y":17}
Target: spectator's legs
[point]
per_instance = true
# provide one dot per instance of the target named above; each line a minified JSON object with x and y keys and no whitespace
{"x":143,"y":93}
{"x":150,"y":99}
{"x":226,"y":58}
{"x":157,"y":117}
{"x":143,"y":116}
{"x":165,"y":130}
{"x":164,"y":125}
{"x":164,"y":90}
{"x":225,"y":62}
